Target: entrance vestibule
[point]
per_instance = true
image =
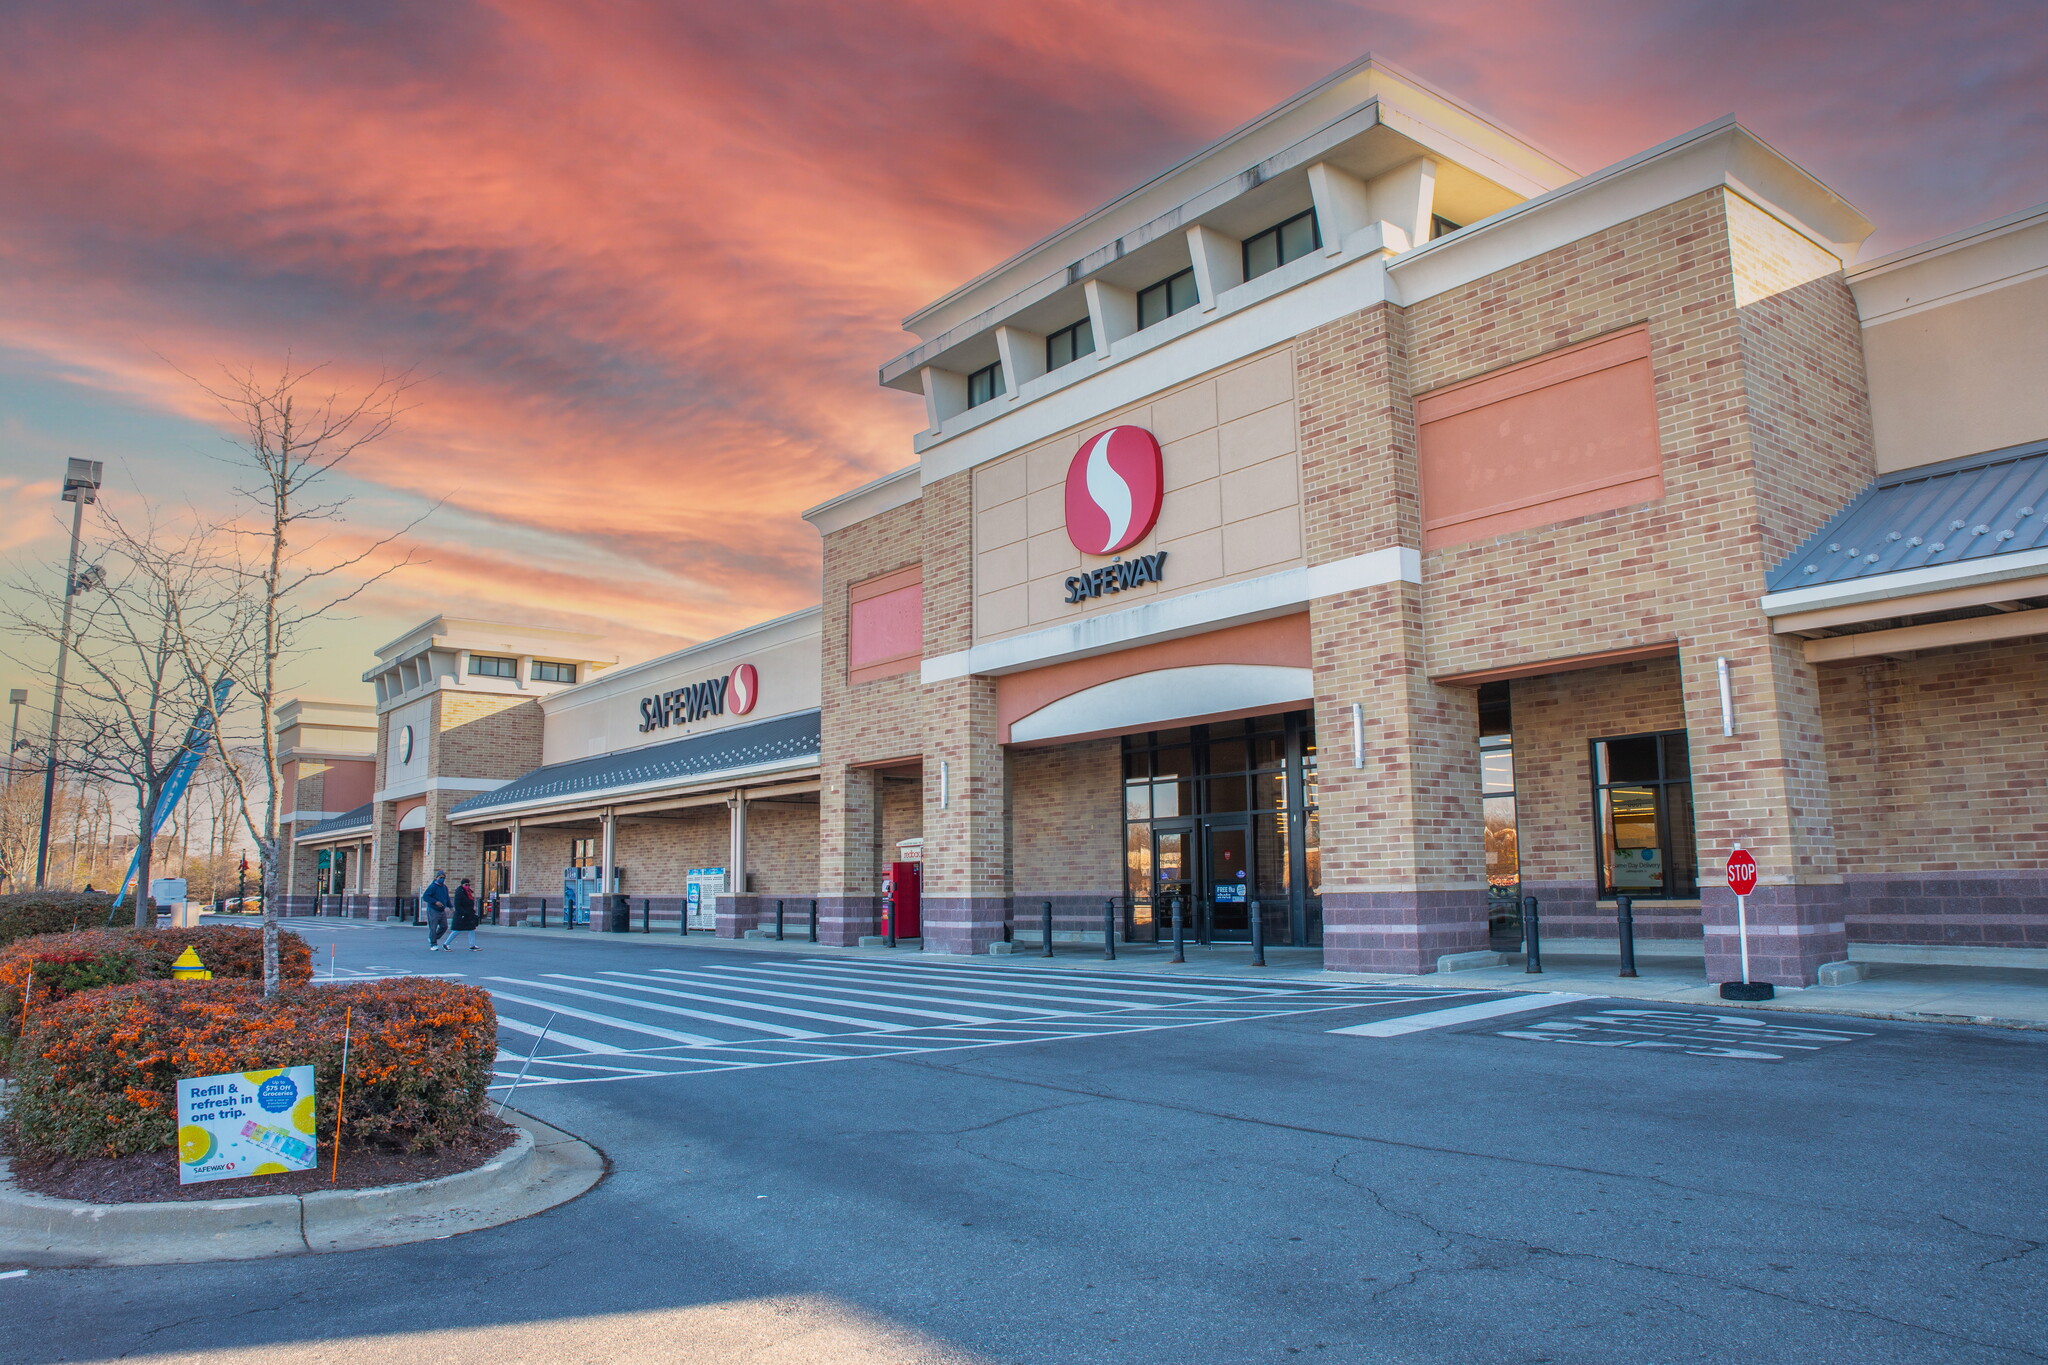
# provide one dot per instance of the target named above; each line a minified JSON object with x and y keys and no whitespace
{"x":1220,"y":818}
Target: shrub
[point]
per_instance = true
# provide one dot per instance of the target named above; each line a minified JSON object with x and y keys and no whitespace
{"x":96,"y":1073}
{"x":229,"y":952}
{"x":51,"y":912}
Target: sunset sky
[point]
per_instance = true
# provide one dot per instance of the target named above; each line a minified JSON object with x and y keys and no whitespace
{"x":645,"y":258}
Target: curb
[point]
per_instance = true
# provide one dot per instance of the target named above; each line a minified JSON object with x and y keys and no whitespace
{"x":543,"y":1167}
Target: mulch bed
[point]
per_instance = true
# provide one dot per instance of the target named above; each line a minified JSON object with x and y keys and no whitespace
{"x":152,"y":1177}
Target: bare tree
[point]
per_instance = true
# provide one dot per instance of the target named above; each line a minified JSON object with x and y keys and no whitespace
{"x":156,"y":628}
{"x":291,"y":438}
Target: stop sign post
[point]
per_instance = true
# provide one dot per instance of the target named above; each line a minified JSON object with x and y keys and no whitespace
{"x":1742,"y":881}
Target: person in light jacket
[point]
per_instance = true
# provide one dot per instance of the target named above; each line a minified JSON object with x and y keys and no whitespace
{"x":434,"y":900}
{"x":466,"y":917}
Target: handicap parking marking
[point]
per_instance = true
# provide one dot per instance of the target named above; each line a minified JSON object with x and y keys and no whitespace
{"x":1695,"y":1033}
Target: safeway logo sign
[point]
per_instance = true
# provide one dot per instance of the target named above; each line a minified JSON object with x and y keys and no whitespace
{"x":744,"y":690}
{"x":1113,"y":490}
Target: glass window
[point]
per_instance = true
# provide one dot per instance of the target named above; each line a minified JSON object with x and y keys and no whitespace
{"x":984,"y":384}
{"x":583,"y":852}
{"x":1174,"y":294}
{"x":547,"y":672}
{"x":1440,"y":226}
{"x":491,"y":666}
{"x":1643,"y":809}
{"x":1069,"y":344}
{"x":1281,"y":243}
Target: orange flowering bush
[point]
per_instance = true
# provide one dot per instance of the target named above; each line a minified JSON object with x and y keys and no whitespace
{"x":96,"y":1073}
{"x":227,"y":950}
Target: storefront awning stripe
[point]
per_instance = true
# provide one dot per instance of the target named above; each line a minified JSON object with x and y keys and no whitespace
{"x":766,"y":745}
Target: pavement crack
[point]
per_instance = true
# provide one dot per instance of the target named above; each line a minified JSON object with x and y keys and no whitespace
{"x":2027,"y":1245}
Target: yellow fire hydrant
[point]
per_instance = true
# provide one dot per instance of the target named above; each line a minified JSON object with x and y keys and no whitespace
{"x":188,"y":967}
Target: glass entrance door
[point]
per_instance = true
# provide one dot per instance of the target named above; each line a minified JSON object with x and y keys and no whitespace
{"x":1227,"y":880}
{"x":1173,"y":881}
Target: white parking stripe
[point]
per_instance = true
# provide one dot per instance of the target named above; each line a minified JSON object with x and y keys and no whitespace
{"x":1067,"y":981}
{"x":881,"y":974}
{"x":889,"y":995}
{"x":866,"y":1025}
{"x":607,"y":1020}
{"x":1459,"y":1014}
{"x":750,"y":1025}
{"x":720,"y":983}
{"x":566,"y":1039}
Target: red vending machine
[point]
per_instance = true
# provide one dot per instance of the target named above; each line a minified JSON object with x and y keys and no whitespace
{"x":901,"y":901}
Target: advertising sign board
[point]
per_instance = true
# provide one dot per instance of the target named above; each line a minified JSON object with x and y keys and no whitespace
{"x":703,"y":887}
{"x":246,"y":1123}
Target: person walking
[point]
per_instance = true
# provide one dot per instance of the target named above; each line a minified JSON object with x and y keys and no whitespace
{"x":434,"y":900}
{"x":466,"y":917}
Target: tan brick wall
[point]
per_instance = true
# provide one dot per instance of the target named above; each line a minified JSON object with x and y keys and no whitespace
{"x":861,"y":723}
{"x":1936,"y":760}
{"x":782,"y":848}
{"x":1066,"y":820}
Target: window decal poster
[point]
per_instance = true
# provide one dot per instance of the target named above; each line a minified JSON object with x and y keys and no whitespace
{"x":246,"y":1123}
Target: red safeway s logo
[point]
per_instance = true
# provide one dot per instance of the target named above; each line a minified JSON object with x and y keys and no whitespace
{"x":743,"y":691}
{"x":1741,"y":873}
{"x":1113,"y":490}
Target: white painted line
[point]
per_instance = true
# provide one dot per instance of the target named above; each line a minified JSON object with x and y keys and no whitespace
{"x":723,"y":985}
{"x":12,"y":1274}
{"x":1459,"y":1014}
{"x":751,"y":1025}
{"x":865,"y":1025}
{"x":607,"y":1020}
{"x":556,"y":1035}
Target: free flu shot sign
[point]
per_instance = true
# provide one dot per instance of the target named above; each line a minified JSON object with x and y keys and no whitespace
{"x":246,"y":1123}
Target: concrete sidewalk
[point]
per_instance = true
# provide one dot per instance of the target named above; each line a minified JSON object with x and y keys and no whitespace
{"x":1998,"y":996}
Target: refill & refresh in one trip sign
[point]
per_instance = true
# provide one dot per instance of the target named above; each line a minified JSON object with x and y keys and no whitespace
{"x":246,"y":1123}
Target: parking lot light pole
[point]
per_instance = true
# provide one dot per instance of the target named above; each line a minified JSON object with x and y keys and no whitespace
{"x":81,"y":486}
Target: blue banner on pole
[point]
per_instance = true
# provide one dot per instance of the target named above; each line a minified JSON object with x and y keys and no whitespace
{"x":197,"y":740}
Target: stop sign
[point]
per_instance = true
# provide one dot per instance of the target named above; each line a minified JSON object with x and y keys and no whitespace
{"x":1741,"y":873}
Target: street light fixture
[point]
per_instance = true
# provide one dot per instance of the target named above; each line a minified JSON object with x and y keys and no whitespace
{"x":17,"y":698}
{"x":81,"y":486}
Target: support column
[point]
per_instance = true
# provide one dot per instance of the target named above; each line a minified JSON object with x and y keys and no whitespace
{"x":966,"y":889}
{"x":737,"y":911}
{"x":383,"y":887}
{"x":512,"y":863}
{"x":1403,"y":835}
{"x":1766,"y":788}
{"x":848,"y":904}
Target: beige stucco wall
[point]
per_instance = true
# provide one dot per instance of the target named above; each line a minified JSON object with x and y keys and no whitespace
{"x":1960,"y":378}
{"x":1232,"y":504}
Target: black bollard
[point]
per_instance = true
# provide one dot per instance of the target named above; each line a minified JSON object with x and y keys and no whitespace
{"x":1047,"y":930}
{"x":1532,"y":935}
{"x":814,"y":920}
{"x":1109,"y":931}
{"x":1180,"y":950}
{"x":778,"y":921}
{"x":1625,"y":918}
{"x":647,"y":914}
{"x":1258,"y":936}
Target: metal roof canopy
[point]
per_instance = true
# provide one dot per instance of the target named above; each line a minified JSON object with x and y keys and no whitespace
{"x":779,"y":741}
{"x":1933,"y":516}
{"x":358,"y":820}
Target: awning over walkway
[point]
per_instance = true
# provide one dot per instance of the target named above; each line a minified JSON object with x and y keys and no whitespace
{"x":1938,"y":550}
{"x":355,"y":822}
{"x":777,"y":744}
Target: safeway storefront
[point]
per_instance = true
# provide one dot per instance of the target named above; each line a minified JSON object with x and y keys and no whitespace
{"x":1368,"y":524}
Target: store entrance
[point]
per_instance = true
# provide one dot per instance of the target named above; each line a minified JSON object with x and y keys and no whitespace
{"x":1206,"y":867}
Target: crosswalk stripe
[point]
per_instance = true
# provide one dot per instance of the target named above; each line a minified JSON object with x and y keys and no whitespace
{"x":1081,"y":982}
{"x":566,"y":1039}
{"x":892,"y":995}
{"x":694,"y":1039}
{"x":720,"y":982}
{"x":873,"y":1025}
{"x":752,"y":1025}
{"x":1458,"y":1014}
{"x":885,"y":974}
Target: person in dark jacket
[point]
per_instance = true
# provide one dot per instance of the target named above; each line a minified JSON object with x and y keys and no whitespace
{"x":434,"y":900}
{"x":466,"y":917}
